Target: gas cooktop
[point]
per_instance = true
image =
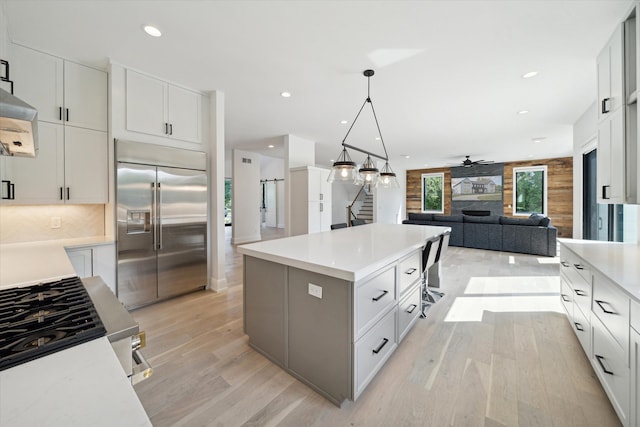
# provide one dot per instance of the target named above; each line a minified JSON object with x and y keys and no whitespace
{"x":39,"y":320}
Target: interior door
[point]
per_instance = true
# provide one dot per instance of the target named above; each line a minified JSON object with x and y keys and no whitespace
{"x":182,"y":230}
{"x":137,"y":267}
{"x":271,"y":213}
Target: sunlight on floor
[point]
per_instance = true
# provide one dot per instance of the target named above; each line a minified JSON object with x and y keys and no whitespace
{"x":513,"y":285}
{"x":549,"y":260}
{"x":506,"y":295}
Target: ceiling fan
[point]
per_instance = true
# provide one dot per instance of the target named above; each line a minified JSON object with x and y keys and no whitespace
{"x":467,"y":162}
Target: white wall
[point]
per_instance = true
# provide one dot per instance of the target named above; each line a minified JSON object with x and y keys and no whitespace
{"x":246,"y":197}
{"x":389,"y":203}
{"x":585,"y":132}
{"x":4,"y":36}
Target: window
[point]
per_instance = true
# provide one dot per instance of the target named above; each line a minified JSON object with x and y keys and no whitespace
{"x":433,"y":192}
{"x":530,"y":190}
{"x":227,"y":201}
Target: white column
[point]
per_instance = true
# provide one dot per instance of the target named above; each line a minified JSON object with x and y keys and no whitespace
{"x":297,"y":152}
{"x":246,"y":197}
{"x":217,"y":277}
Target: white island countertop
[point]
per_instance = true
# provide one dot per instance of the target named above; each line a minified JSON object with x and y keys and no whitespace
{"x":347,"y":253}
{"x":620,"y":262}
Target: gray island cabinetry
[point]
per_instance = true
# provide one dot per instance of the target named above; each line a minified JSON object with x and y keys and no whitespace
{"x":330,"y":308}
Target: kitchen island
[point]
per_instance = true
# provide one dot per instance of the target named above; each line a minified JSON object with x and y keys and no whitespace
{"x":79,"y":386}
{"x":330,"y":308}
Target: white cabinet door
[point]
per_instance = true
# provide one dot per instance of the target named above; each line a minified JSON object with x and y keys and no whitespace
{"x":86,"y":175}
{"x":38,"y":81}
{"x":146,"y":104}
{"x":85,"y":97}
{"x":611,"y":75}
{"x":39,"y":180}
{"x":611,"y":155}
{"x":81,"y":260}
{"x":104,"y":264}
{"x":184,"y":114}
{"x":634,"y":352}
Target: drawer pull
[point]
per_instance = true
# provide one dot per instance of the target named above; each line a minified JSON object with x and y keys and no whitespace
{"x":413,"y":307}
{"x":580,"y":293}
{"x":381,"y":346}
{"x":379,"y":297}
{"x":605,"y":370}
{"x":410,"y":271}
{"x":579,"y":326}
{"x":602,"y":307}
{"x":565,"y":298}
{"x":564,"y":263}
{"x":578,"y":266}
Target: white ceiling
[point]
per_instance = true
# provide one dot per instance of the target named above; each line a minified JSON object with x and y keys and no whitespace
{"x":448,"y":73}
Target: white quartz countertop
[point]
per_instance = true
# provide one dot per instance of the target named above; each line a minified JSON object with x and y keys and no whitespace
{"x":79,"y":386}
{"x":620,"y":262}
{"x":23,"y":264}
{"x":348,"y":253}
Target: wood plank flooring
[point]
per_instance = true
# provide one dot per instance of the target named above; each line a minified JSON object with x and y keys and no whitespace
{"x":495,"y":351}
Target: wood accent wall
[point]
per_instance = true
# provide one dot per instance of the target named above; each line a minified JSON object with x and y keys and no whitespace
{"x":559,"y":190}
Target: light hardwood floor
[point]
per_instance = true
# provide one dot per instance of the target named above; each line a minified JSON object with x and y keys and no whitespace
{"x":495,"y":351}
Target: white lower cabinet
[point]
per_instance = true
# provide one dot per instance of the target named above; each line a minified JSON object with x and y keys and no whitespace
{"x":408,"y":312}
{"x":634,"y":353}
{"x":99,"y":260}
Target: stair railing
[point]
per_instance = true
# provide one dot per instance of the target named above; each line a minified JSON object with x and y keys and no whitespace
{"x":366,"y":189}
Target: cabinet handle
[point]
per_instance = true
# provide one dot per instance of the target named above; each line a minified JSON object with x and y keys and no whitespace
{"x":170,"y":129}
{"x":68,"y":194}
{"x":565,"y":298}
{"x":379,"y":297}
{"x":599,"y":359}
{"x":413,"y":307}
{"x":579,"y":326}
{"x":12,"y":190}
{"x":605,"y":107}
{"x":605,"y":192}
{"x":67,"y":111}
{"x":602,"y":307}
{"x":564,"y":263}
{"x":60,"y":113}
{"x":381,"y":346}
{"x":580,"y":293}
{"x":8,"y":190}
{"x":61,"y":196}
{"x":321,"y":196}
{"x":166,"y":128}
{"x":410,"y":271}
{"x":321,"y":210}
{"x":578,"y":266}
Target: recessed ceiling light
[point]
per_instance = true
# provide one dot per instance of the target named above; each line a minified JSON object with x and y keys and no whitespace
{"x":538,"y":139}
{"x":530,"y":155}
{"x":343,"y":122}
{"x":406,"y":156}
{"x":426,"y":164}
{"x":152,"y":31}
{"x":271,"y":146}
{"x":529,"y":74}
{"x":332,"y":160}
{"x":285,"y":94}
{"x":377,"y":138}
{"x":521,"y":112}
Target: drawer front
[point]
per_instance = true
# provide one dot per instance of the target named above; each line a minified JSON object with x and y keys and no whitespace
{"x":582,"y":293}
{"x":583,"y":269}
{"x":582,"y":327}
{"x":611,"y":306}
{"x":610,"y":362}
{"x":373,"y":297}
{"x":408,"y":272}
{"x":408,"y":312}
{"x":373,"y":349}
{"x":635,"y":316}
{"x":566,"y":296}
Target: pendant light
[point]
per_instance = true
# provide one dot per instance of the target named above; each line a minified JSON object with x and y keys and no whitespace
{"x":345,"y":169}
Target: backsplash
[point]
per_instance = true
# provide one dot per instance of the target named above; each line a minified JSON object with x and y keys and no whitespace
{"x":33,"y":223}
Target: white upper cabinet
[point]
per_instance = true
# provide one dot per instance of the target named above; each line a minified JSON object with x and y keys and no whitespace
{"x":86,"y":174}
{"x":158,"y":108}
{"x":62,"y":91}
{"x":611,"y":75}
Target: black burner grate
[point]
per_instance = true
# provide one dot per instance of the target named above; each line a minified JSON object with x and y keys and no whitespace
{"x":39,"y":320}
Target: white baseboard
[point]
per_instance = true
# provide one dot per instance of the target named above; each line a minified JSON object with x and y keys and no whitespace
{"x":246,"y":239}
{"x":217,"y":285}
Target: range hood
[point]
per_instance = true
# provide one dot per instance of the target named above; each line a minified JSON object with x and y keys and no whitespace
{"x":18,"y":127}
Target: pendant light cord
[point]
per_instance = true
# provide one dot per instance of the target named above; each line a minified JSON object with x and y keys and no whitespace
{"x":375,"y":117}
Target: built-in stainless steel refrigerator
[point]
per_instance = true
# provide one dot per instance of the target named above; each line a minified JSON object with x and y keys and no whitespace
{"x":161,"y":222}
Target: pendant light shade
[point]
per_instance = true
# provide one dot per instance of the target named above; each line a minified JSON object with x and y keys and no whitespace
{"x":369,"y":172}
{"x":387,"y":177}
{"x":344,"y":169}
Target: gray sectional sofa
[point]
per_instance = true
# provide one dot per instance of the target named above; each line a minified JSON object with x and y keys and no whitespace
{"x":532,"y":235}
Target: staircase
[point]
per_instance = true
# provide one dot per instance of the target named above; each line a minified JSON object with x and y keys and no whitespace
{"x":366,"y":210}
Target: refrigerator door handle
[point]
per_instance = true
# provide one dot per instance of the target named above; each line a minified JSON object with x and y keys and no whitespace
{"x":153,"y":214}
{"x":160,"y":215}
